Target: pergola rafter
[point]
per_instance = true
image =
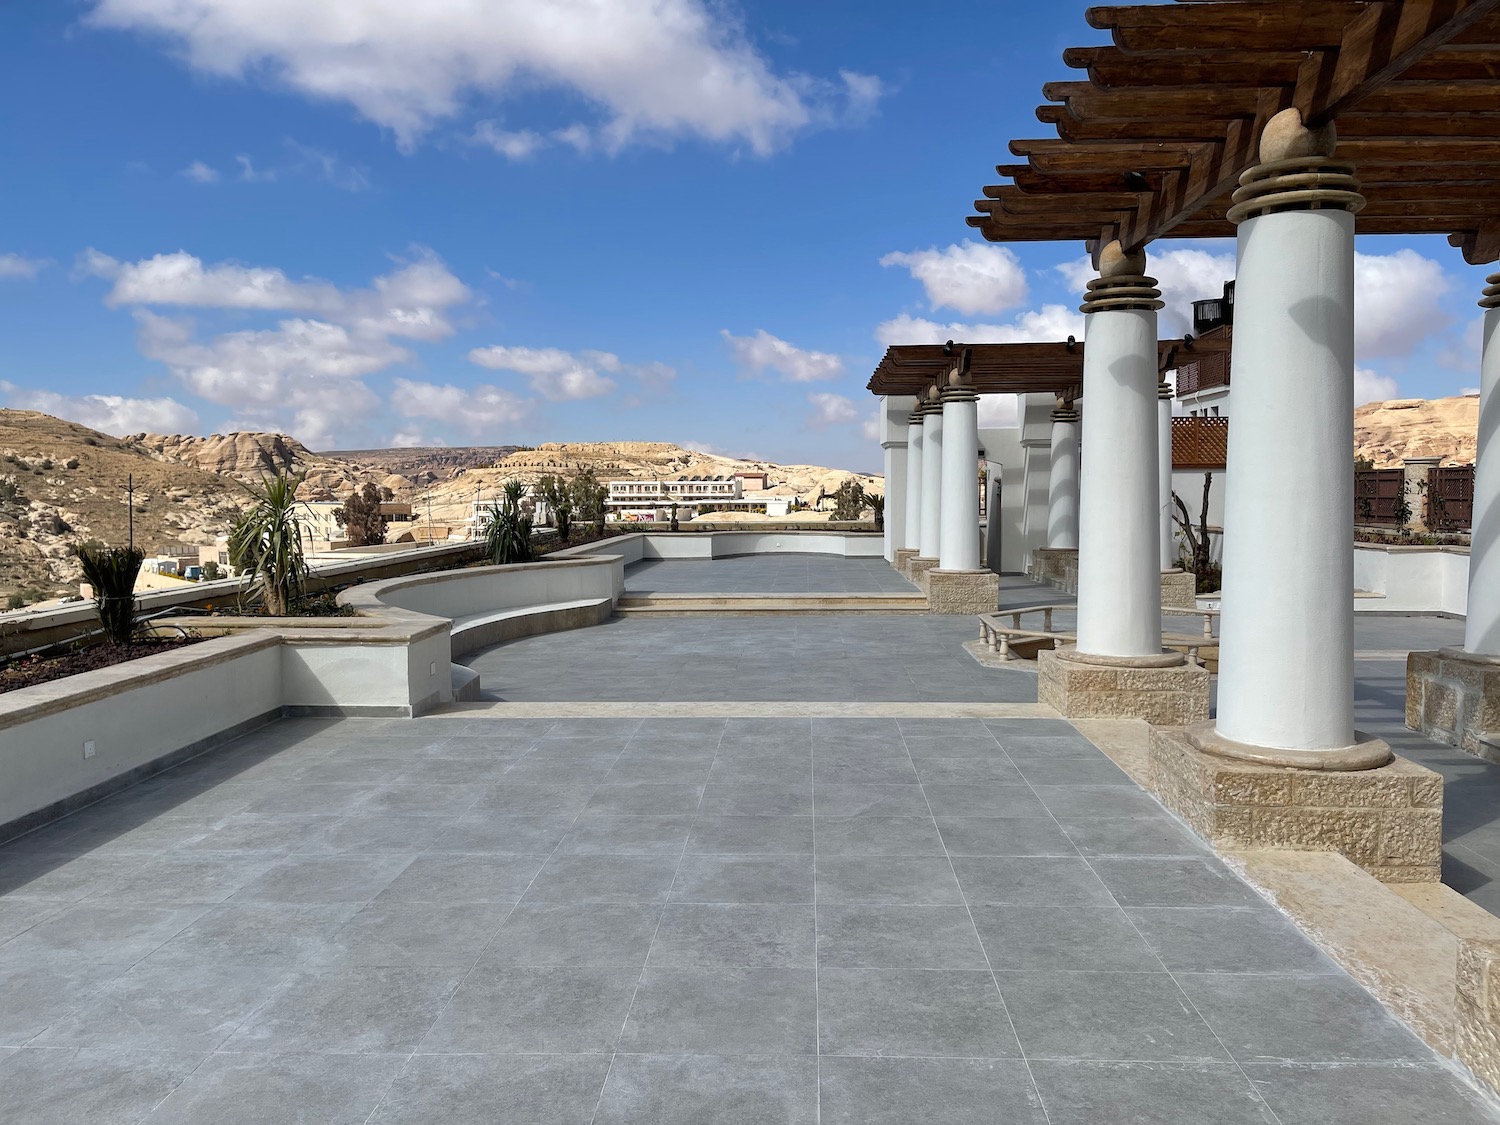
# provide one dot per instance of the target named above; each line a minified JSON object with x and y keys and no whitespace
{"x":1024,"y":368}
{"x":1154,"y":141}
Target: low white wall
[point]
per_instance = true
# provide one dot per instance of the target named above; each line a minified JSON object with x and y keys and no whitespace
{"x":636,"y":547}
{"x":1412,"y":579}
{"x":460,"y":593}
{"x":140,"y":716}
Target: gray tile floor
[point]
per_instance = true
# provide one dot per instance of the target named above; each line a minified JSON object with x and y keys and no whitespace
{"x":669,"y":921}
{"x":766,"y":574}
{"x":889,"y":658}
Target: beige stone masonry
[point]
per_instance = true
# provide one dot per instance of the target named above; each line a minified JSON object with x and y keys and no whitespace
{"x":1057,"y":566}
{"x":1170,"y":696}
{"x":961,"y":591}
{"x":1389,"y":820}
{"x":1179,"y":588}
{"x":904,"y":555}
{"x":916,"y":571}
{"x":1453,"y":697}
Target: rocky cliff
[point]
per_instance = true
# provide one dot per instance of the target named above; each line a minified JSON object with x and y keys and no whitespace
{"x":1386,"y":432}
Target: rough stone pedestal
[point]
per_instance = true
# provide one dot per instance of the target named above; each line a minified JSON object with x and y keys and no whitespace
{"x":1387,"y":820}
{"x":1057,"y":566}
{"x":1453,"y":696}
{"x":961,"y":591}
{"x":902,"y":561}
{"x":916,"y":567}
{"x":1179,"y":589}
{"x":1163,"y":690}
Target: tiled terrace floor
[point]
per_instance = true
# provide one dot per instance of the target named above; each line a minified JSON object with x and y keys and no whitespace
{"x":857,"y":658}
{"x":766,"y":574}
{"x":534,"y":921}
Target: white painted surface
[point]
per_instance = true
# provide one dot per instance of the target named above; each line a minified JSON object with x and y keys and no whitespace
{"x":915,"y":467}
{"x":895,"y":414}
{"x":1482,"y":633}
{"x":1411,"y":579}
{"x":728,"y":544}
{"x":1286,"y":658}
{"x":1164,"y":481}
{"x":1036,"y":457}
{"x":214,"y":686}
{"x":1119,"y":552}
{"x":930,"y":543}
{"x":1062,"y":487}
{"x":958,"y":545}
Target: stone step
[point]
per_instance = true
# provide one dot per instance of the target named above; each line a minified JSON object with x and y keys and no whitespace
{"x":743,"y":605}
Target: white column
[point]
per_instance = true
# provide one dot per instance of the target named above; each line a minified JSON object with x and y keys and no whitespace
{"x":932,"y":480}
{"x":1164,"y":464}
{"x":915,"y":462}
{"x":958,"y":541}
{"x":994,"y":516}
{"x":1286,"y":656}
{"x":1062,"y":491}
{"x":893,"y":435}
{"x":1482,"y":627}
{"x":1119,"y":548}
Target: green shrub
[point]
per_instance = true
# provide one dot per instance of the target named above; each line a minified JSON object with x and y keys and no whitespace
{"x":112,"y":571}
{"x":266,"y":544}
{"x":508,"y":537}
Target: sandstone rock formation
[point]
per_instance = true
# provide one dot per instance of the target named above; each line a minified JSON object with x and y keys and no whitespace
{"x":1386,"y":432}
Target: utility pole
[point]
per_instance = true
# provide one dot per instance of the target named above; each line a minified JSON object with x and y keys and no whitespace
{"x":430,"y":540}
{"x":130,"y":506}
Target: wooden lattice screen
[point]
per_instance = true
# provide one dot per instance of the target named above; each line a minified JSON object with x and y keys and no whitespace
{"x":1450,"y":498}
{"x":1375,"y":494}
{"x":1200,"y":443}
{"x":1211,"y":370}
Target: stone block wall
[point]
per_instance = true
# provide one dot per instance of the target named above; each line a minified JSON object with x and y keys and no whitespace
{"x":1162,"y":696}
{"x":1454,"y":698}
{"x":1179,"y":589}
{"x":962,"y":591}
{"x":1057,"y":566}
{"x":1388,"y":821}
{"x":1478,"y":1024}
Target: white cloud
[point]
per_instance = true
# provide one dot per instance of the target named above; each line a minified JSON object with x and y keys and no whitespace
{"x":305,"y":375}
{"x":19,"y":266}
{"x":970,"y":277}
{"x":1397,"y":303}
{"x":796,"y":365}
{"x":201,"y":173}
{"x":520,"y":144}
{"x":326,"y":167}
{"x":1183,"y":276}
{"x":553,"y":373}
{"x":110,"y":414}
{"x":482,"y":411}
{"x":830,"y":410}
{"x":870,"y":431}
{"x":998,"y":412}
{"x":1371,"y":386}
{"x":1043,"y":325}
{"x":667,"y":69}
{"x":250,"y":174}
{"x":1464,"y":349}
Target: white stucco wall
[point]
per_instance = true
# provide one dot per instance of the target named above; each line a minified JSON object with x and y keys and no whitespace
{"x":133,"y":715}
{"x":1412,"y":579}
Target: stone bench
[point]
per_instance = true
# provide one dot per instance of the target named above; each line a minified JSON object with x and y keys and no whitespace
{"x":474,"y":631}
{"x":1004,"y":639}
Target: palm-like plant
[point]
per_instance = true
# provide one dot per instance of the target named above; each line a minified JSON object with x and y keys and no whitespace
{"x":112,"y":571}
{"x":266,"y":544}
{"x":508,"y":537}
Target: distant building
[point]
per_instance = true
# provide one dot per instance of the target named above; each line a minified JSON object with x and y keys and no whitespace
{"x":754,"y":480}
{"x":644,"y":492}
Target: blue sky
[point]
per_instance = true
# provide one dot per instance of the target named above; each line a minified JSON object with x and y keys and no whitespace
{"x":551,"y":220}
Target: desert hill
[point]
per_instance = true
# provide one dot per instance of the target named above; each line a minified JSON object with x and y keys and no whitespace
{"x":1385,"y":432}
{"x":62,"y":483}
{"x":451,"y":500}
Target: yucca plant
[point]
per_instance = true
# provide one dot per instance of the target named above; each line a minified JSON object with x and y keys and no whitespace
{"x":508,"y":537}
{"x":112,"y":571}
{"x":266,"y":544}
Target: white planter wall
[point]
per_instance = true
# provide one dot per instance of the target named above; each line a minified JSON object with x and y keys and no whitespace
{"x":1412,"y":579}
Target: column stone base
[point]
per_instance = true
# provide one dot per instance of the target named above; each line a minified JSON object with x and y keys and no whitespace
{"x":1179,"y":589}
{"x":1057,"y":566}
{"x":1387,"y":820}
{"x":902,"y":561}
{"x":961,"y":591}
{"x":1453,"y":697}
{"x":1163,"y":690}
{"x":916,"y":567}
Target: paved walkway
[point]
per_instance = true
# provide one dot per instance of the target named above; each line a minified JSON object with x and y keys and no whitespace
{"x":886,"y":658}
{"x":766,"y":574}
{"x":604,"y":920}
{"x":670,"y":921}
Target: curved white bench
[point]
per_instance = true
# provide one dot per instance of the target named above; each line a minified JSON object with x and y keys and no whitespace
{"x":482,"y":630}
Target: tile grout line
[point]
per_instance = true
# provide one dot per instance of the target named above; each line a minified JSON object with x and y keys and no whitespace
{"x":1131,"y":921}
{"x":646,"y":964}
{"x":969,"y":910}
{"x":812,"y":767}
{"x":417,"y":1047}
